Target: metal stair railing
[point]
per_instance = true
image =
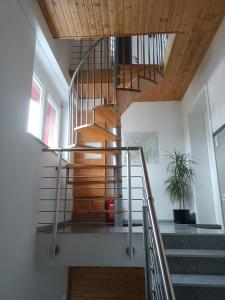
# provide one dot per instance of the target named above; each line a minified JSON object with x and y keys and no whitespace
{"x":108,"y":65}
{"x":157,"y":277}
{"x":90,"y":85}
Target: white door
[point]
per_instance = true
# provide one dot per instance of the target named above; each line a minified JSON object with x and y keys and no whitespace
{"x":219,"y":143}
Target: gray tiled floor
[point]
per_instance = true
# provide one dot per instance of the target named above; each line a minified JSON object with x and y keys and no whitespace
{"x":166,"y":228}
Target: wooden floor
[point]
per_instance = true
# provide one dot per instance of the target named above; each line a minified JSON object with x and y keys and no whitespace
{"x":97,"y":283}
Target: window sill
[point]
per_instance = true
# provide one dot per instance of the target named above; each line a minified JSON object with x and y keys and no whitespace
{"x":43,"y":144}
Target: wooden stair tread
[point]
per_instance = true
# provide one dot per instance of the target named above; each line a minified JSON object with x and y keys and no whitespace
{"x":111,"y":152}
{"x":127,"y":96}
{"x":96,"y":181}
{"x":97,"y":132}
{"x":91,"y":166}
{"x":129,"y":89}
{"x":108,"y":112}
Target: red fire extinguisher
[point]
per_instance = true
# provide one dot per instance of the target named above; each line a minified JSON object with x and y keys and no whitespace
{"x":110,"y":206}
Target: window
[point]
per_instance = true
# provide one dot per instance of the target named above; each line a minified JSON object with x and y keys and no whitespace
{"x":44,"y":115}
{"x":35,"y":109}
{"x":51,"y":124}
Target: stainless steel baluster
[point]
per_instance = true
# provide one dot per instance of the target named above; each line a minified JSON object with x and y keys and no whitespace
{"x":138,"y":62}
{"x":65,"y":197}
{"x":87,"y":90}
{"x":148,"y":279}
{"x":107,"y":55}
{"x":143,"y":44}
{"x":81,"y":100}
{"x":130,"y":244}
{"x":157,"y":48}
{"x":161,"y":38}
{"x":93,"y":112}
{"x":101,"y":73}
{"x":154,"y":60}
{"x":77,"y":101}
{"x":149,"y":56}
{"x":123,"y":49}
{"x":56,"y":210}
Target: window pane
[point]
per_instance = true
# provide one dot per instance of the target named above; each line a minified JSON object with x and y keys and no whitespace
{"x":35,"y":110}
{"x":50,"y":130}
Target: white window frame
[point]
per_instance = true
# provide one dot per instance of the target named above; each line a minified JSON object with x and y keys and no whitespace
{"x":57,"y":109}
{"x":45,"y":97}
{"x":36,"y":79}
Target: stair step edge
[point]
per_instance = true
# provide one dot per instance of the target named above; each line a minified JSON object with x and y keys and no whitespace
{"x":198,"y":280}
{"x":195,"y":253}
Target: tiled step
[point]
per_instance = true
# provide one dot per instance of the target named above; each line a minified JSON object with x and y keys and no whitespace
{"x":187,"y":261}
{"x":97,"y":132}
{"x":199,"y":287}
{"x":194,"y":241}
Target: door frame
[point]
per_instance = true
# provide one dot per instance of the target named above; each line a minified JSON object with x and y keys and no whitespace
{"x":211,"y":152}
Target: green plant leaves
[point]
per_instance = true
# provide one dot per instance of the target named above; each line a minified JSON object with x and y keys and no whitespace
{"x":181,"y":174}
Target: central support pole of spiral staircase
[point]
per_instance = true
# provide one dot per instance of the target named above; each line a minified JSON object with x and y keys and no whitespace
{"x":118,"y":219}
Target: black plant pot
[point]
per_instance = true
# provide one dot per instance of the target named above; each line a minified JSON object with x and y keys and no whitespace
{"x":181,"y":216}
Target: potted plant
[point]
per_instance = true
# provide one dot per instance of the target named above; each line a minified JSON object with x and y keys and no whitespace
{"x":178,"y":184}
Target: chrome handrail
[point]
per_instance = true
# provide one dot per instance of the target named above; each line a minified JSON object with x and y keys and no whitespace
{"x":156,"y":232}
{"x":81,"y":62}
{"x":164,"y":270}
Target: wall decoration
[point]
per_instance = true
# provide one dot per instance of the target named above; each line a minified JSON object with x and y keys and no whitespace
{"x":149,"y":142}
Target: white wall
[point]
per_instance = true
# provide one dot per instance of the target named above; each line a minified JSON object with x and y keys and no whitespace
{"x":58,"y":51}
{"x":20,"y":174}
{"x":210,"y":77}
{"x":212,"y":73}
{"x":166,"y":119}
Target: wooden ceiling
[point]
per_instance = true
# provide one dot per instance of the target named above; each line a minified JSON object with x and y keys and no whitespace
{"x":195,"y":23}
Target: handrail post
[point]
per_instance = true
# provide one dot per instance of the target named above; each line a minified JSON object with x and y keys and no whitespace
{"x":168,"y":288}
{"x":57,"y":198}
{"x":148,"y":281}
{"x":65,"y":200}
{"x":114,"y":72}
{"x":130,"y":247}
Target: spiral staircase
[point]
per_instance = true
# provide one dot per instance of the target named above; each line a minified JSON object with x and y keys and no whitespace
{"x":109,"y":77}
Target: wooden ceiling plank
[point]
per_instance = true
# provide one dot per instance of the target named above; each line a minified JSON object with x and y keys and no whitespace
{"x":142,"y":16}
{"x":51,"y":18}
{"x":61,"y":17}
{"x":181,"y":10}
{"x":75,"y":16}
{"x":120,"y":17}
{"x":112,"y":16}
{"x":105,"y":17}
{"x":135,"y":15}
{"x":183,"y":42}
{"x":127,"y":16}
{"x":83,"y":17}
{"x":157,"y":14}
{"x":90,"y":16}
{"x":214,"y":15}
{"x":98,"y":17}
{"x":189,"y":16}
{"x":194,"y":22}
{"x":165,"y":8}
{"x":195,"y":38}
{"x":68,"y":17}
{"x":151,"y":16}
